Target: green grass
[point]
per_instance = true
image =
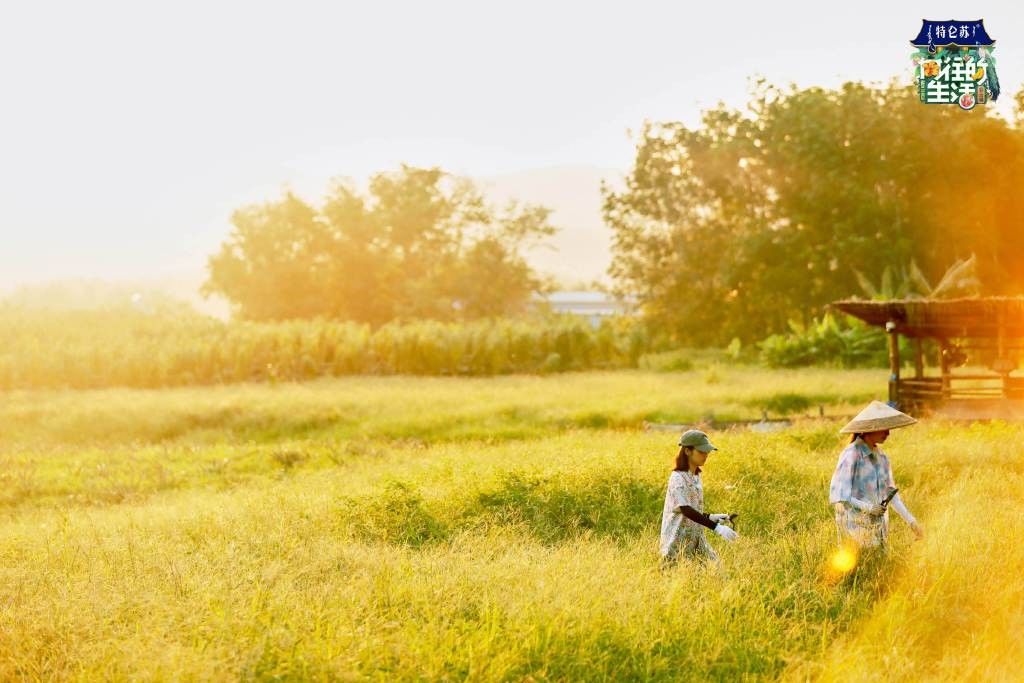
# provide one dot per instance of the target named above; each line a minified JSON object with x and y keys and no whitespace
{"x":427,"y":409}
{"x":489,"y":529}
{"x":42,"y":349}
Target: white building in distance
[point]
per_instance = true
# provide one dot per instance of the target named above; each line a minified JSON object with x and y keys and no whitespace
{"x":595,"y":306}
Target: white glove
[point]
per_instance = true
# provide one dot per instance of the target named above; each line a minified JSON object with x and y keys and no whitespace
{"x":719,"y":518}
{"x":726,"y":533}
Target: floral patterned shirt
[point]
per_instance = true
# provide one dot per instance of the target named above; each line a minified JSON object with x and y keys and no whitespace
{"x":679,"y":534}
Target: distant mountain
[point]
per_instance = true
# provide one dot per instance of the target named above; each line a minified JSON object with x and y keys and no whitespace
{"x":581,"y":251}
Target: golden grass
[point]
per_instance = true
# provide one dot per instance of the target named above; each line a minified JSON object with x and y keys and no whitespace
{"x":519,"y":545}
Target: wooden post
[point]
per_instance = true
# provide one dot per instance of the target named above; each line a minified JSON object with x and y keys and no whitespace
{"x":918,"y":358}
{"x":944,"y":368}
{"x":1002,"y":363}
{"x":894,"y":362}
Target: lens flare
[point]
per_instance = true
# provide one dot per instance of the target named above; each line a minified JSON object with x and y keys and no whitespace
{"x":844,"y":560}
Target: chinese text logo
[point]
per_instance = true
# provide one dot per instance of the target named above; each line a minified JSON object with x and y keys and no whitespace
{"x":954,"y":64}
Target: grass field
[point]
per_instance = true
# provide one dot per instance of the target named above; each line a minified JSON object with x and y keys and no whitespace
{"x":488,"y":529}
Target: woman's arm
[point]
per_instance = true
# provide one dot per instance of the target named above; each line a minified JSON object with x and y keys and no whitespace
{"x":903,"y":512}
{"x":699,"y":517}
{"x":726,"y":532}
{"x":866,"y":507}
{"x":901,"y":509}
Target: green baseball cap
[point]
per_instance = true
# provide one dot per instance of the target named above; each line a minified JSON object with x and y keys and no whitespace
{"x":697,"y":439}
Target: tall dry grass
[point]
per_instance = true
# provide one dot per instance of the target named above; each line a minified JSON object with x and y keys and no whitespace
{"x":396,"y":547}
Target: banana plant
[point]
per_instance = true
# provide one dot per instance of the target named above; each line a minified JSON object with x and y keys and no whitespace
{"x":960,"y":279}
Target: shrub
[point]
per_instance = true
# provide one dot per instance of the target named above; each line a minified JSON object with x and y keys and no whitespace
{"x":826,"y":342}
{"x":667,"y":361}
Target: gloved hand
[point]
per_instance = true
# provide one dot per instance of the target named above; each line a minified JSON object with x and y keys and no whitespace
{"x":719,"y":517}
{"x":726,"y":533}
{"x":867,"y":508}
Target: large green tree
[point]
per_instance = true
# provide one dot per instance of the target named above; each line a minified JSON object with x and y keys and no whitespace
{"x":418,"y":243}
{"x":764,"y":215}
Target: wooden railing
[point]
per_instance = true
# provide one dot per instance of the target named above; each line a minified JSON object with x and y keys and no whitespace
{"x":935,"y":389}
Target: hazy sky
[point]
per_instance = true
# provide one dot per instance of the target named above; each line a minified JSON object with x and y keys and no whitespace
{"x":129,"y":131}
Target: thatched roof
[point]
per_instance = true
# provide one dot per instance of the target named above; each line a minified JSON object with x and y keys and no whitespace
{"x":943,"y":318}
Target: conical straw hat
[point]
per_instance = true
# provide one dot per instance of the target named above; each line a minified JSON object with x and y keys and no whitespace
{"x":876,"y":417}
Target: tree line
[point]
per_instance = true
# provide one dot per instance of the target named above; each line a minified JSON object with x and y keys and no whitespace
{"x":761,"y":217}
{"x":730,"y":229}
{"x":418,"y":243}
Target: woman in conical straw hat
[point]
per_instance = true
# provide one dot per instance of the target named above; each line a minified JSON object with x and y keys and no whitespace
{"x":863,"y":488}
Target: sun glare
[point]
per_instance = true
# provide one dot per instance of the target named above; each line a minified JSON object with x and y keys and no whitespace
{"x":844,"y":560}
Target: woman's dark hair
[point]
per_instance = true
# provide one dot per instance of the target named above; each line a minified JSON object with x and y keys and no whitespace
{"x":860,"y":435}
{"x":683,"y":460}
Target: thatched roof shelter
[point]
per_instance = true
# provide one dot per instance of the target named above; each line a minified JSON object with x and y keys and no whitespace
{"x":991,"y":328}
{"x":975,"y":318}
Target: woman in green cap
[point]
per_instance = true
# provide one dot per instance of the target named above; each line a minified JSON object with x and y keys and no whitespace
{"x":683,"y":520}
